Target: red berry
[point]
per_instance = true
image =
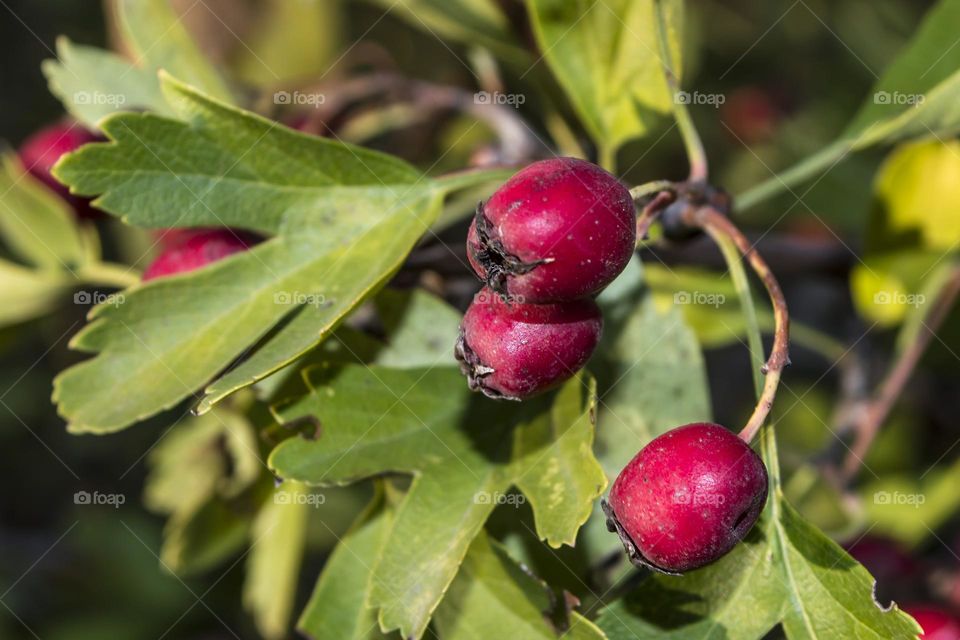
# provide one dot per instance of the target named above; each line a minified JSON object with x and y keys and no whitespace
{"x":196,"y":251}
{"x":43,"y":149}
{"x":936,"y":623}
{"x":558,"y":230}
{"x":509,"y":349}
{"x":687,"y":498}
{"x":750,"y":114}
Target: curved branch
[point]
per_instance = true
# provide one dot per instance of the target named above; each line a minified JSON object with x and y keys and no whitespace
{"x":721,"y":229}
{"x":875,"y":413}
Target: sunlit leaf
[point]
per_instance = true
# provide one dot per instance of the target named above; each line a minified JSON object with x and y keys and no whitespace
{"x":464,"y":451}
{"x":606,"y":55}
{"x":93,"y":83}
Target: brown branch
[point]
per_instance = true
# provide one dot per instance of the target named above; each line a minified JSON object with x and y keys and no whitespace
{"x":719,"y":227}
{"x":876,"y":411}
{"x":517,"y":141}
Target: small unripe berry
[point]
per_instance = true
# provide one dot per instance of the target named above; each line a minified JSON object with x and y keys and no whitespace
{"x":558,"y":230}
{"x":195,"y":251}
{"x":687,"y":498}
{"x":936,"y":623}
{"x":43,"y":149}
{"x":513,"y":350}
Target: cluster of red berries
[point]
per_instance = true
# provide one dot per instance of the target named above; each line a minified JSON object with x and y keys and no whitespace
{"x":548,"y":240}
{"x":545,"y":243}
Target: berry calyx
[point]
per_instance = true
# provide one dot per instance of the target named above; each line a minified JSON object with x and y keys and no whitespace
{"x":558,"y":230}
{"x":687,"y":498}
{"x":512,"y":350}
{"x":195,"y":251}
{"x":936,"y":623}
{"x":43,"y":149}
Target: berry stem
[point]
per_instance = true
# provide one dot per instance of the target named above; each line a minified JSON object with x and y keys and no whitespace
{"x":724,"y":232}
{"x":875,"y":413}
{"x":108,"y":274}
{"x":691,"y":139}
{"x":466,"y":178}
{"x":650,"y":188}
{"x":651,"y":211}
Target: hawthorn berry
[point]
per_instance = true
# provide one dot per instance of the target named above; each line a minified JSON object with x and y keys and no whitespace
{"x":936,"y":623}
{"x":513,"y":350}
{"x":558,"y":230}
{"x":687,"y":498}
{"x":43,"y":149}
{"x":195,"y":251}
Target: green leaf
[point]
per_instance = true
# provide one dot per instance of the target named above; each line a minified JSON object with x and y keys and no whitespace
{"x":829,"y":593}
{"x":560,"y":476}
{"x":93,"y":83}
{"x":157,"y":38}
{"x":338,"y":609}
{"x":606,"y":57}
{"x":916,"y":97}
{"x":276,"y":552}
{"x":344,"y":217}
{"x":738,"y":598}
{"x":422,"y":329}
{"x":37,"y":225}
{"x":464,"y":451}
{"x":493,"y":597}
{"x":201,"y":457}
